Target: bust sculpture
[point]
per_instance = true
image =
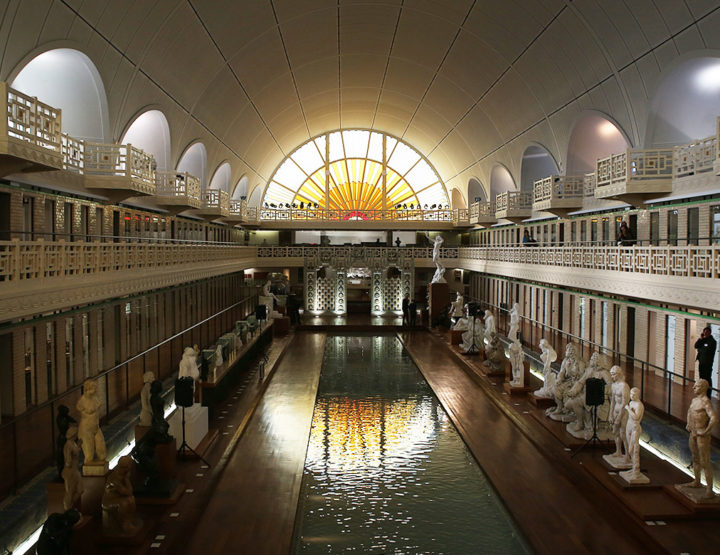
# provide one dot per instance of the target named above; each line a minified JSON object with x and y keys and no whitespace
{"x":701,"y":417}
{"x":63,"y":420}
{"x":89,"y":432}
{"x":634,"y":410}
{"x":118,"y":501}
{"x":618,"y":417}
{"x":581,"y":424}
{"x":489,"y":325}
{"x":547,"y":356}
{"x":71,"y":472}
{"x":494,"y":353}
{"x":514,"y":322}
{"x":571,"y":370}
{"x":517,"y":363}
{"x":145,"y":408}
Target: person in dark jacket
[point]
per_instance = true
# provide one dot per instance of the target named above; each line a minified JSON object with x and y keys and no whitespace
{"x":406,"y":310}
{"x":624,"y":236}
{"x":706,"y":347}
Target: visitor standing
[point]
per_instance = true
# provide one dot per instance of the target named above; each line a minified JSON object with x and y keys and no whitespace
{"x":406,"y":310}
{"x":412,"y":308}
{"x":706,"y":347}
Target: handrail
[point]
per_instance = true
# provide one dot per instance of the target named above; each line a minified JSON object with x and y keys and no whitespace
{"x":31,"y":121}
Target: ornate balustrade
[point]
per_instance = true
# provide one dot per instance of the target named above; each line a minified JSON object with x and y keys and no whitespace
{"x":177,"y":189}
{"x":514,"y":205}
{"x":321,"y":214}
{"x":122,"y":168}
{"x":635,"y":175}
{"x":717,"y":149}
{"x":30,"y":134}
{"x":559,"y":193}
{"x":215,"y":204}
{"x":73,"y":154}
{"x":589,"y":184}
{"x":695,"y":158}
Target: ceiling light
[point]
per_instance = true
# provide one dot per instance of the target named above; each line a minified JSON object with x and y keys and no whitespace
{"x":708,"y":78}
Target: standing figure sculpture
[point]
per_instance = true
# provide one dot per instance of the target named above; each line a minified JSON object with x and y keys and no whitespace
{"x":89,"y":432}
{"x":517,"y":363}
{"x":457,"y":307}
{"x":700,"y":420}
{"x":635,"y":410}
{"x":547,"y":356}
{"x":575,"y":400}
{"x":145,"y":408}
{"x":571,"y":370}
{"x":63,"y":420}
{"x":439,"y":276}
{"x":514,"y":322}
{"x":71,"y":473}
{"x":617,"y":418}
{"x":489,"y":326}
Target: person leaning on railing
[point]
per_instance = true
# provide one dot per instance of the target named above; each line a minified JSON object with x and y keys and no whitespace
{"x":625,"y":237}
{"x":528,"y":240}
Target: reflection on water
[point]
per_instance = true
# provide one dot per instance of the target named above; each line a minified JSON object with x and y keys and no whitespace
{"x":386,"y":471}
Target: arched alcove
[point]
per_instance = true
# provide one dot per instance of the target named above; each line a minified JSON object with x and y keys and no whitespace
{"x":221,"y":177}
{"x":476,"y":191}
{"x":150,"y":132}
{"x":593,"y":136}
{"x":255,"y":196}
{"x":458,"y":201}
{"x":686,"y":103}
{"x":501,"y":180}
{"x":67,"y":79}
{"x":537,"y":163}
{"x":241,"y":188}
{"x":194,"y":161}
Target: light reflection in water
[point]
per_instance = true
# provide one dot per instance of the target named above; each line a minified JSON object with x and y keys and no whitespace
{"x":386,"y":470}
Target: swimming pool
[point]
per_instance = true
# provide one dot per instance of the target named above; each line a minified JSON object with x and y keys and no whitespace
{"x":386,"y":471}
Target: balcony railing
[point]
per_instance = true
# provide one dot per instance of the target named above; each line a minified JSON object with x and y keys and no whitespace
{"x":639,"y":165}
{"x":559,"y":187}
{"x":31,"y":121}
{"x":694,"y":158}
{"x":216,"y":201}
{"x":589,"y":184}
{"x":513,"y":200}
{"x":335,"y":215}
{"x":121,"y":161}
{"x":73,"y":154}
{"x":178,"y":187}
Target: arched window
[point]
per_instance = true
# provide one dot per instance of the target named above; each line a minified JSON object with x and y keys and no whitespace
{"x":67,"y":79}
{"x":194,"y":162}
{"x":150,"y":132}
{"x":356,"y":171}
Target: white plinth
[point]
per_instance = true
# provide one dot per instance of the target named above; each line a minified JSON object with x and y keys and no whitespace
{"x":196,"y":424}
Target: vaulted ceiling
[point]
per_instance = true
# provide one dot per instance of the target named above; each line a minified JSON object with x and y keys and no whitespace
{"x":467,"y":82}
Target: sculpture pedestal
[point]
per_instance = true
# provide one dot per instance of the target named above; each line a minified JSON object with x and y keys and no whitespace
{"x":515,"y":390}
{"x":541,"y":402}
{"x":694,"y":498}
{"x":631,"y":478}
{"x":93,"y":489}
{"x":456,"y":336}
{"x":617,"y":462}
{"x":499,"y":373}
{"x":196,"y":424}
{"x":95,"y":468}
{"x":439,"y":299}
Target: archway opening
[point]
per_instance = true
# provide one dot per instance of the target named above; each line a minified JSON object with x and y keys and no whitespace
{"x":476,"y":191}
{"x":536,"y":164}
{"x":458,"y":201}
{"x":194,"y":162}
{"x":221,"y":177}
{"x":593,"y":137}
{"x":241,"y":189}
{"x":150,"y":132}
{"x":501,"y":180}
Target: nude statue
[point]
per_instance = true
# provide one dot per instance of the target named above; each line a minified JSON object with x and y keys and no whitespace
{"x":571,"y":370}
{"x":517,"y":363}
{"x":618,"y":417}
{"x":547,"y":356}
{"x":489,"y":325}
{"x":71,"y":471}
{"x":635,"y":410}
{"x":118,"y":501}
{"x":89,"y":432}
{"x":462,"y":324}
{"x":700,"y":420}
{"x":439,"y":276}
{"x":145,"y":408}
{"x":575,"y":398}
{"x":514,"y":322}
{"x":457,"y":306}
{"x":266,"y":290}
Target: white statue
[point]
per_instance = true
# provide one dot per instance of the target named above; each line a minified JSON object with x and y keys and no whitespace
{"x":571,"y":370}
{"x":71,"y":470}
{"x":457,"y":306}
{"x":218,"y":356}
{"x":462,"y":324}
{"x":517,"y":363}
{"x":635,"y":410}
{"x":439,"y":276}
{"x":89,"y":432}
{"x":617,"y":418}
{"x":266,"y":290}
{"x":701,"y":417}
{"x":581,"y":425}
{"x":469,"y":345}
{"x":547,"y":356}
{"x":489,"y":326}
{"x":188,"y":365}
{"x":514,"y":322}
{"x":145,"y":408}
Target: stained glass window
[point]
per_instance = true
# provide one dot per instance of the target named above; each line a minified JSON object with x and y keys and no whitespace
{"x":358,"y":172}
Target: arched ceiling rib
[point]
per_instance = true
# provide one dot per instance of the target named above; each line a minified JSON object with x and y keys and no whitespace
{"x":464,"y":81}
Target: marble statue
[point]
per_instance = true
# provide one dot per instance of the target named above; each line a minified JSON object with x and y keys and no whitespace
{"x":517,"y":363}
{"x":472,"y":337}
{"x":635,"y":410}
{"x":71,"y":472}
{"x":514,"y":322}
{"x":581,"y":425}
{"x":617,"y":418}
{"x":701,"y":417}
{"x":56,"y":533}
{"x":118,"y":501}
{"x":571,"y":370}
{"x":457,"y":306}
{"x":63,"y":420}
{"x":494,"y":354}
{"x":159,"y":424}
{"x":188,"y":365}
{"x":145,"y":409}
{"x":439,"y":276}
{"x":218,"y":356}
{"x":462,"y":324}
{"x":547,"y":356}
{"x":89,"y":432}
{"x":489,"y":326}
{"x":266,"y":290}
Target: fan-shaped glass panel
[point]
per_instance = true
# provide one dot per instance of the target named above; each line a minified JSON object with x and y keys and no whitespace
{"x":355,"y":171}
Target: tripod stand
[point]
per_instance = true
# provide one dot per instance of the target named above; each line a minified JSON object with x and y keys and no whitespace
{"x":594,"y":439}
{"x":184,"y":447}
{"x":473,"y":349}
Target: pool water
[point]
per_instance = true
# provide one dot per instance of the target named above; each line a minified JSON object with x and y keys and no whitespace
{"x":386,"y":470}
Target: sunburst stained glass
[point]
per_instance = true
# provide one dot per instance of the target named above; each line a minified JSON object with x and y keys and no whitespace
{"x":356,"y":171}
